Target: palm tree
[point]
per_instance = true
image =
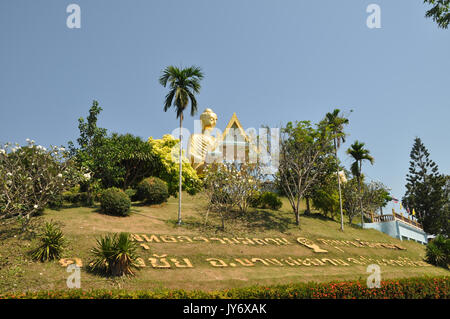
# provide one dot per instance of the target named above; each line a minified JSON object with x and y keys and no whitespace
{"x":337,"y":123}
{"x":359,"y":154}
{"x":183,"y":84}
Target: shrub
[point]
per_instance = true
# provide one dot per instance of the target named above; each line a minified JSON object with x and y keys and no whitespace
{"x":438,"y":252}
{"x":255,"y":200}
{"x":152,"y":190}
{"x":52,"y":243}
{"x":236,"y":182}
{"x":56,"y":202}
{"x":165,"y":150}
{"x":115,"y":255}
{"x":114,"y":201}
{"x":31,"y":176}
{"x":79,"y":198}
{"x":131,"y":193}
{"x":406,"y":288}
{"x":270,"y":200}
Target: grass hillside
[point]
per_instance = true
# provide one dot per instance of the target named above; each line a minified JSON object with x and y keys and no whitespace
{"x":82,"y":226}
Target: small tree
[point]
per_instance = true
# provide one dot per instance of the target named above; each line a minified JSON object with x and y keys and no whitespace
{"x":374,"y":196}
{"x":303,"y":153}
{"x":231,"y":185}
{"x":30,"y":176}
{"x":351,"y":199}
{"x":216,"y":184}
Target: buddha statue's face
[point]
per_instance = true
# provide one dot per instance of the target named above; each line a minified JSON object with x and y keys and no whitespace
{"x":209,"y":119}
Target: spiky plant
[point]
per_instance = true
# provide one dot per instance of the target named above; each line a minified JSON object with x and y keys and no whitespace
{"x":438,"y":252}
{"x":115,"y":255}
{"x":52,"y":243}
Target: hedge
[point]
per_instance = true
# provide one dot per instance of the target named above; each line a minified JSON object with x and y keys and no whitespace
{"x":408,"y":288}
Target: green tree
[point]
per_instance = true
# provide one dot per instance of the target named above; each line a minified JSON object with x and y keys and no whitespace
{"x":359,"y":154}
{"x":425,"y":191}
{"x":375,"y":196}
{"x":123,"y":160}
{"x":440,"y":12}
{"x":302,"y":152}
{"x":337,"y":123}
{"x":115,"y":160}
{"x":352,"y":198}
{"x":324,"y":192}
{"x":90,"y":134}
{"x":183,"y":84}
{"x":327,"y":199}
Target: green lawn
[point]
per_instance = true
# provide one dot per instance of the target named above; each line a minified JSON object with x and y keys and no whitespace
{"x":82,"y":226}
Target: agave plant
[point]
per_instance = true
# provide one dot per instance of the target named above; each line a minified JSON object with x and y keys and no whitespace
{"x":52,"y":243}
{"x":438,"y":252}
{"x":115,"y":255}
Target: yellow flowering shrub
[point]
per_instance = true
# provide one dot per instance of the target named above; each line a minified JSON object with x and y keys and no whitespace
{"x":166,"y":150}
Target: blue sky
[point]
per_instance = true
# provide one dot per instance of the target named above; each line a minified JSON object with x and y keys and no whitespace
{"x":269,"y":61}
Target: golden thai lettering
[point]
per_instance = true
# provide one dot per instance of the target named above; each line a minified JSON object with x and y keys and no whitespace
{"x":136,"y":237}
{"x":216,"y":262}
{"x":153,"y":238}
{"x":201,"y":238}
{"x":182,"y":239}
{"x":159,"y":261}
{"x":168,"y":239}
{"x":178,"y":264}
{"x":310,"y":244}
{"x":245,"y":262}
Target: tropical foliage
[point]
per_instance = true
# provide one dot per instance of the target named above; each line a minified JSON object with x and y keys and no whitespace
{"x":336,"y":123}
{"x":359,"y":154}
{"x":31,"y":176}
{"x":438,"y":252}
{"x":165,"y":152}
{"x":116,"y":160}
{"x":183,"y":85}
{"x":51,"y":245}
{"x":115,"y":255}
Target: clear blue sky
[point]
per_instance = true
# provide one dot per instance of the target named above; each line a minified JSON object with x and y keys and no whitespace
{"x":270,"y":61}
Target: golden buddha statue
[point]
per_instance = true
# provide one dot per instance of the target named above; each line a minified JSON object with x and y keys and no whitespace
{"x":203,"y":146}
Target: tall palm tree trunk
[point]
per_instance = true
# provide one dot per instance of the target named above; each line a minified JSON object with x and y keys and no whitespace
{"x":180,"y":168}
{"x":339,"y":186}
{"x":360,"y":194}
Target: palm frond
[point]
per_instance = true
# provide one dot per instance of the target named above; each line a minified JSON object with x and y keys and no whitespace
{"x":184,"y":83}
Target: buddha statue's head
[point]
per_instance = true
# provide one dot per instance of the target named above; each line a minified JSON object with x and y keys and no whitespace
{"x":208,"y":119}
